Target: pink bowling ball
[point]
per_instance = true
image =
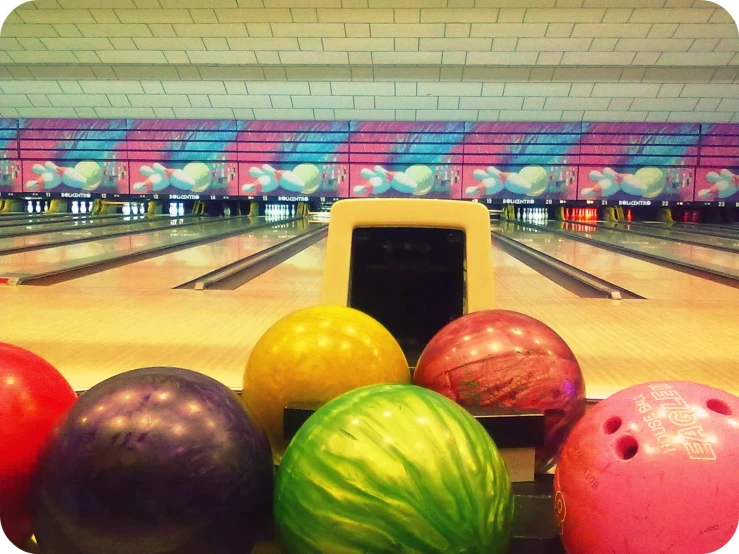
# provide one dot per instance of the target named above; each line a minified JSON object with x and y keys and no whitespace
{"x":652,"y":469}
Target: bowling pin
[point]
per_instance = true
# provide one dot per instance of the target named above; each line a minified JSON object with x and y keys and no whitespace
{"x":173,"y":209}
{"x":126,"y":209}
{"x":83,"y":207}
{"x":135,"y":209}
{"x":181,"y":209}
{"x":292,"y":211}
{"x":75,"y":207}
{"x":142,"y":208}
{"x":29,"y":207}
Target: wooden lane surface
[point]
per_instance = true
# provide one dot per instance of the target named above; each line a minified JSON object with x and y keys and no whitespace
{"x":642,"y":277}
{"x":174,"y":268}
{"x":91,"y":334}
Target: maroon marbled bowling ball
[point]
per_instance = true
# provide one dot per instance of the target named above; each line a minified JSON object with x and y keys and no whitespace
{"x":507,"y":359}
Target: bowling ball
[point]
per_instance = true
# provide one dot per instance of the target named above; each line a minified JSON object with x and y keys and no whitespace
{"x":310,"y":175}
{"x":393,"y":468}
{"x":500,"y":358}
{"x":423,"y":177}
{"x":154,"y":461}
{"x":314,"y":355}
{"x":91,"y":172}
{"x":200,"y":173}
{"x":538,"y":177}
{"x":653,"y":468}
{"x":33,"y":398}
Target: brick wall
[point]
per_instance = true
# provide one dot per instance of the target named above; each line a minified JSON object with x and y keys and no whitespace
{"x":477,"y":60}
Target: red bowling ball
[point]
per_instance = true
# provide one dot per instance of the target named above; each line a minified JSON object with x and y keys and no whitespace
{"x":33,"y":397}
{"x":653,"y":468}
{"x":507,"y":359}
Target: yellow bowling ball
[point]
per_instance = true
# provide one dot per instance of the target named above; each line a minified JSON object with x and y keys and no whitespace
{"x":315,"y":355}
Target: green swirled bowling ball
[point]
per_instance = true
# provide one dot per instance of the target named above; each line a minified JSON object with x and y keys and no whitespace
{"x":389,"y":469}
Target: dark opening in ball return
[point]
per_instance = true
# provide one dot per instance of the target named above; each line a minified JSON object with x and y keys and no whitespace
{"x":416,"y":265}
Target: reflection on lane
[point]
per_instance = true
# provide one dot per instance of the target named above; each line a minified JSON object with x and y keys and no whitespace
{"x":592,"y":259}
{"x":86,"y":231}
{"x":9,"y":231}
{"x":173,"y":268}
{"x":677,"y":234}
{"x":715,"y":260}
{"x":114,"y":247}
{"x":727,"y":230}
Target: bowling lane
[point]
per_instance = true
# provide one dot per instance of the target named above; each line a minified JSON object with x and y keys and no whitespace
{"x":75,"y":255}
{"x":19,"y":216}
{"x":86,"y":231}
{"x":697,"y":228}
{"x":724,"y":262}
{"x":644,"y":278}
{"x":71,"y":223}
{"x":516,"y":283}
{"x":43,"y":220}
{"x":174,"y":268}
{"x":676,"y":234}
{"x":296,"y":281}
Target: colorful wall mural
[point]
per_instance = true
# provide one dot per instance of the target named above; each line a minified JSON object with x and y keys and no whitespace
{"x":717,"y":175}
{"x":496,"y":161}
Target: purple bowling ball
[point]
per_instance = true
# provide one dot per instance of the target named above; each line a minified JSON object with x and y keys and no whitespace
{"x":154,"y":461}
